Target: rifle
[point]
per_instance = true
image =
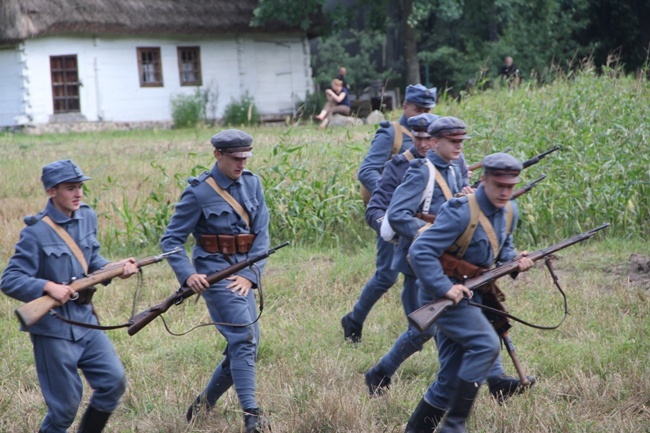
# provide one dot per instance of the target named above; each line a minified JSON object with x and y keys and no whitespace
{"x":479,"y":164}
{"x":140,"y":320}
{"x":530,"y":185}
{"x":425,"y":316}
{"x":33,"y":311}
{"x":532,"y":161}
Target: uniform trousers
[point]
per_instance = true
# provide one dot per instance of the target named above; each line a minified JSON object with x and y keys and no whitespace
{"x":383,"y":279}
{"x":468,"y":347}
{"x":57,"y":364}
{"x":238,"y":364}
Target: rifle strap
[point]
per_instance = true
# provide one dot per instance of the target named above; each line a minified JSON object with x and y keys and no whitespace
{"x":72,"y":245}
{"x":87,"y":325}
{"x":547,"y":261}
{"x":230,"y":200}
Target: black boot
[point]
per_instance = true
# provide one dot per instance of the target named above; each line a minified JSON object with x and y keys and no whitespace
{"x":351,"y":329}
{"x":254,"y":422}
{"x":93,"y":421}
{"x":377,"y":382}
{"x":504,"y":386}
{"x":200,"y":405}
{"x":424,"y":419}
{"x":460,"y":407}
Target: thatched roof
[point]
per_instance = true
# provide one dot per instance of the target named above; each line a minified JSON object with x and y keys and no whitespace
{"x":23,"y":19}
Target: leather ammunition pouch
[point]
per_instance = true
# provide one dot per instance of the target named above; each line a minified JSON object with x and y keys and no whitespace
{"x":226,"y":244}
{"x":85,"y":296}
{"x":427,"y":217}
{"x":459,"y":269}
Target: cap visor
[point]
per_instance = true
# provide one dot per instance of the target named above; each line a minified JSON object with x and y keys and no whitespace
{"x":509,"y":180}
{"x":241,"y":154}
{"x":420,"y":134}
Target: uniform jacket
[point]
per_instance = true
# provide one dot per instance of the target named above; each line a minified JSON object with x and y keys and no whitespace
{"x":407,"y":201}
{"x":42,"y":256}
{"x":380,"y":152}
{"x":202,"y":211}
{"x":451,"y":222}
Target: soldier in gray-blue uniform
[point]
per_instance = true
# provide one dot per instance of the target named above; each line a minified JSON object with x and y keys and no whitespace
{"x":224,"y":236}
{"x":418,"y":100}
{"x":467,"y":343}
{"x":396,"y":167}
{"x":407,"y":216}
{"x":43,"y":264}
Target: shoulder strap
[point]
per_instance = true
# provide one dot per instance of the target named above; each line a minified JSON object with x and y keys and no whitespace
{"x":68,"y":241}
{"x":428,"y":193}
{"x":476,"y":217}
{"x":230,"y":199}
{"x":409,"y":155}
{"x":399,"y":137}
{"x":462,"y":243}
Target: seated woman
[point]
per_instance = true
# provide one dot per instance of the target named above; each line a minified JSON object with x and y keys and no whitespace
{"x":338,"y":101}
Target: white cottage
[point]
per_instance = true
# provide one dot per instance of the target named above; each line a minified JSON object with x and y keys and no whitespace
{"x":123,"y":60}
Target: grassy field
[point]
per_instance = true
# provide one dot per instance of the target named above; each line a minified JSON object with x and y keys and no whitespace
{"x":593,"y":372}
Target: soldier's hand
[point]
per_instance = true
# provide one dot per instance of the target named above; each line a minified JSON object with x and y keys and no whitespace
{"x":457,"y":292}
{"x":197,"y":282}
{"x":239,"y":285}
{"x":60,"y":292}
{"x":130,"y":267}
{"x":467,"y":190}
{"x":524,"y":262}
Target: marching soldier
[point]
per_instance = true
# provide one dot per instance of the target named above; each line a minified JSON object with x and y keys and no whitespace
{"x":58,"y":245}
{"x":225,"y":211}
{"x":467,"y":343}
{"x":390,"y":139}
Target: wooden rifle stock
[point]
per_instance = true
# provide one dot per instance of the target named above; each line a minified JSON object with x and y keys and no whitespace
{"x":140,"y":320}
{"x":424,"y":317}
{"x":33,"y":311}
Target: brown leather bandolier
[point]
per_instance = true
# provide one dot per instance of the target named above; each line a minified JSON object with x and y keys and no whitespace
{"x":226,"y":244}
{"x":426,"y":217}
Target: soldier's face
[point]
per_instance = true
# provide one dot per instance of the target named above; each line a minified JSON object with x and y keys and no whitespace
{"x":230,"y":166}
{"x":449,"y":149}
{"x":66,"y":196}
{"x":422,"y":144}
{"x":498,"y":193}
{"x":411,"y":109}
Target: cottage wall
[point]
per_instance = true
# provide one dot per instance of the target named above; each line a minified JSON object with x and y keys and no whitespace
{"x":11,"y":85}
{"x":275,"y":70}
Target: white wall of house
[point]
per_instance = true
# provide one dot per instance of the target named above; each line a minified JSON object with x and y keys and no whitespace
{"x":11,"y":85}
{"x":275,"y":70}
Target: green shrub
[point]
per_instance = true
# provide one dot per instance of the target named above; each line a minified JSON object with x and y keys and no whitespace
{"x":242,"y":112}
{"x":188,"y":110}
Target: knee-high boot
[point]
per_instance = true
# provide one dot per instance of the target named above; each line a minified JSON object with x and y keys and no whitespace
{"x":460,"y":407}
{"x":93,"y":421}
{"x":424,"y":419}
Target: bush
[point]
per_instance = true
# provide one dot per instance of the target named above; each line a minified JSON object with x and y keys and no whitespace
{"x":242,"y":112}
{"x":188,"y":110}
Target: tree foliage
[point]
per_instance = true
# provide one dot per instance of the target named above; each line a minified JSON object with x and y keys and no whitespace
{"x":462,"y":43}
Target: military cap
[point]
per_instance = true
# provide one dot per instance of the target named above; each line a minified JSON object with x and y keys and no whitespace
{"x":61,"y":171}
{"x":449,"y":127}
{"x":503,"y":167}
{"x":420,"y":123}
{"x":421,"y":96}
{"x":234,"y":142}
